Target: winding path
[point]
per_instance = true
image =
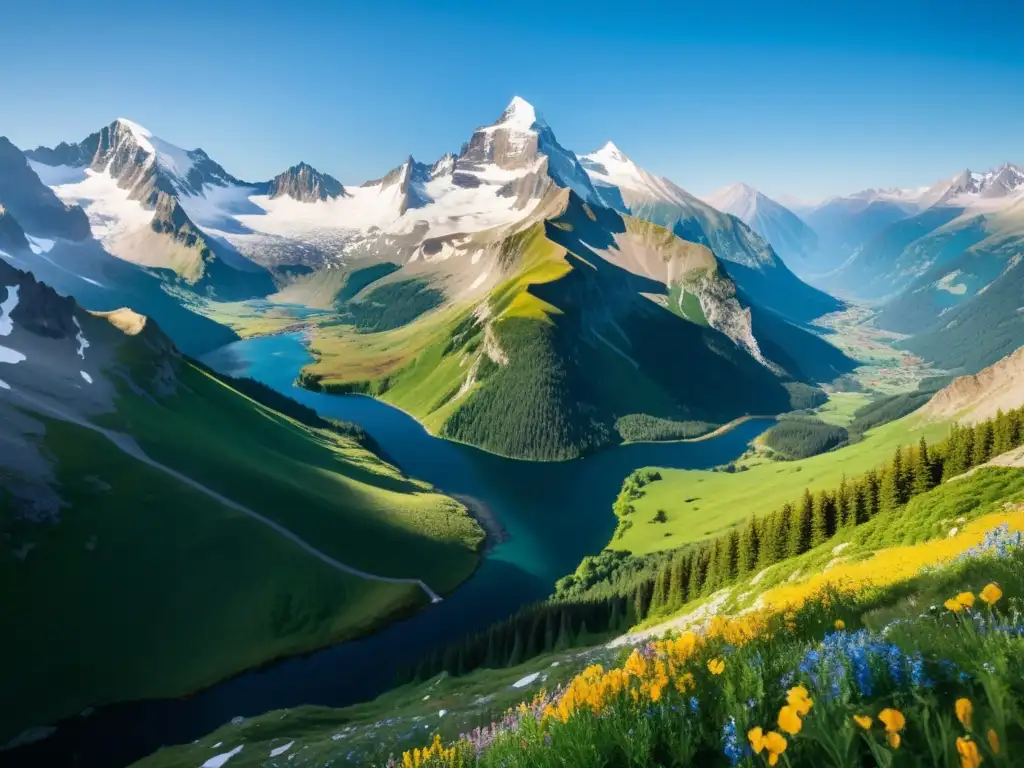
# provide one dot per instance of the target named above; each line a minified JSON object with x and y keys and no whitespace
{"x":128,"y":445}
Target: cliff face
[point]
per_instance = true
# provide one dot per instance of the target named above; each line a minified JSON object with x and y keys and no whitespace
{"x":974,"y":398}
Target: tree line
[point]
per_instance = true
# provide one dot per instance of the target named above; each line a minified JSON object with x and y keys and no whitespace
{"x":613,"y":591}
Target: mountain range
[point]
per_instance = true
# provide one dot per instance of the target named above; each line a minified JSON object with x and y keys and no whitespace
{"x":511,"y":250}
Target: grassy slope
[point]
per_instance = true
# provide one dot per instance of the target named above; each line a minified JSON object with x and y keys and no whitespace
{"x":408,"y":715}
{"x":319,"y":485}
{"x":841,"y":406}
{"x":700,"y":504}
{"x":128,"y":619}
{"x":114,"y":609}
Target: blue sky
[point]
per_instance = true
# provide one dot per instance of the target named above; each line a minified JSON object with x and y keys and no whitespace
{"x":788,"y":96}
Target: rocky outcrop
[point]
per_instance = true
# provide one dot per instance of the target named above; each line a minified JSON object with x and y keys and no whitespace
{"x":37,"y":209}
{"x":12,"y":236}
{"x":306,"y":184}
{"x":977,"y":397}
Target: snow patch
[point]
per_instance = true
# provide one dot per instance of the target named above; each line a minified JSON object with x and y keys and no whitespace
{"x":83,"y":343}
{"x":6,"y":308}
{"x":108,"y":207}
{"x":218,"y":760}
{"x":281,"y":750}
{"x":86,"y":376}
{"x":8,"y":355}
{"x":4,"y":384}
{"x":525,"y":681}
{"x":480,"y":280}
{"x":39,"y":244}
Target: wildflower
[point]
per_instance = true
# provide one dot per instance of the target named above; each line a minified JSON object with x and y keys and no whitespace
{"x":970,"y":757}
{"x":991,"y":594}
{"x":730,"y":743}
{"x":966,"y":599}
{"x":756,"y":737}
{"x":893,"y":720}
{"x":964,"y":710}
{"x":776,"y":744}
{"x":993,"y":741}
{"x":953,"y":605}
{"x":716,"y":666}
{"x":840,"y":625}
{"x":694,"y":705}
{"x":864,"y":721}
{"x":800,"y":700}
{"x":893,"y":739}
{"x":789,"y":720}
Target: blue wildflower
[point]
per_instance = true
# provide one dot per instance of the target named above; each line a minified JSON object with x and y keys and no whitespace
{"x":731,"y":745}
{"x":694,"y":705}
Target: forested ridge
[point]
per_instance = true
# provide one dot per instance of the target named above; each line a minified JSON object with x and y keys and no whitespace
{"x":615,"y":590}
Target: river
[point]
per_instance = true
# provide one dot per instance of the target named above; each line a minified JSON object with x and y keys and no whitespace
{"x":554,"y":514}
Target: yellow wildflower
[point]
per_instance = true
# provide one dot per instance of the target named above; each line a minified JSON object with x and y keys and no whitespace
{"x":893,"y":720}
{"x":800,"y":700}
{"x":776,"y":744}
{"x":953,"y":605}
{"x":966,"y":599}
{"x":789,"y":720}
{"x":840,"y":624}
{"x":716,"y":666}
{"x":993,"y":741}
{"x":970,"y":757}
{"x":864,"y":721}
{"x":756,"y":736}
{"x":964,"y":710}
{"x":893,"y":739}
{"x":635,"y":664}
{"x":991,"y":594}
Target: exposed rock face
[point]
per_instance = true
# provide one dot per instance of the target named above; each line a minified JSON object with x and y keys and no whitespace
{"x":306,"y":184}
{"x":970,"y":399}
{"x":12,"y":236}
{"x":517,"y":141}
{"x":37,"y":208}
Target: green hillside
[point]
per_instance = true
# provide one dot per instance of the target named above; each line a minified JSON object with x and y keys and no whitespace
{"x":850,"y":629}
{"x":699,"y":504}
{"x":597,"y":323}
{"x":142,"y":566}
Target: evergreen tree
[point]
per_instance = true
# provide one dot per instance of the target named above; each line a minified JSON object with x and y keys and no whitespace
{"x":983,"y":440}
{"x":515,"y":656}
{"x":565,"y":638}
{"x":782,"y":533}
{"x":922,"y":480}
{"x":844,"y":504}
{"x":872,"y":492}
{"x":819,"y":520}
{"x":800,"y":530}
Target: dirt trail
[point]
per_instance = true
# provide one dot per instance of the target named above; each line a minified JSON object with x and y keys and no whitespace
{"x":128,"y":445}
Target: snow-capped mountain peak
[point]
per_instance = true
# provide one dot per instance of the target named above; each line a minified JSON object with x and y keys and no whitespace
{"x":739,"y":199}
{"x":519,"y":114}
{"x":969,"y":187}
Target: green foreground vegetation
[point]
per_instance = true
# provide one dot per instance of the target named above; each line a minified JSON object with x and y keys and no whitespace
{"x":699,"y":504}
{"x":876,"y":638}
{"x":143,"y":567}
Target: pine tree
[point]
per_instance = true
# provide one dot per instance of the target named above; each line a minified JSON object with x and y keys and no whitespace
{"x":983,"y":440}
{"x":660,"y":596}
{"x":819,"y":520}
{"x":800,"y":530}
{"x":922,"y":480}
{"x":564,"y":639}
{"x":746,"y":556}
{"x":894,"y":483}
{"x":729,"y":555}
{"x":515,"y":656}
{"x":861,"y":511}
{"x":872,"y":492}
{"x":676,"y":586}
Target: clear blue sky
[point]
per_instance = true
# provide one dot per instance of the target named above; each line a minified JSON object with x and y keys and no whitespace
{"x":791,"y":97}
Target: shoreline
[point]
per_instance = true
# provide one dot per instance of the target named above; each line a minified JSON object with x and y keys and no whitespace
{"x":494,"y":531}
